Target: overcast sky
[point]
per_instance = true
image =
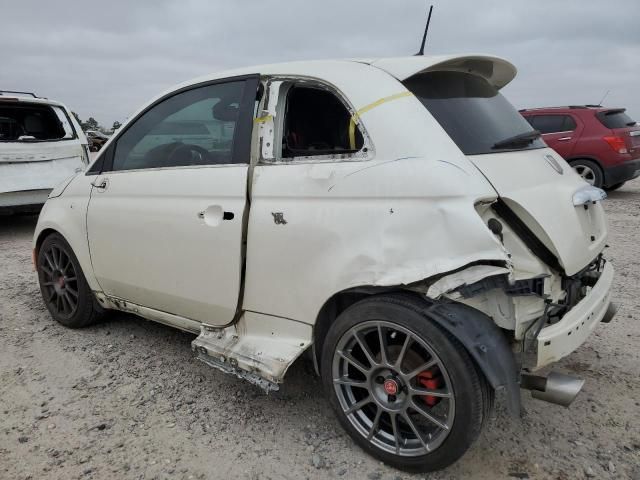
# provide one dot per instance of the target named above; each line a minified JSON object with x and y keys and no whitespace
{"x":104,"y":59}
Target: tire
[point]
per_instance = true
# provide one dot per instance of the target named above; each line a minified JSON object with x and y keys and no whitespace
{"x":590,"y":172}
{"x":361,"y":393}
{"x":614,"y":187}
{"x":64,"y":288}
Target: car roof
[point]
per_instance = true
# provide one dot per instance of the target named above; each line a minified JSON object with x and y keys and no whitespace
{"x":496,"y":70}
{"x":36,"y":100}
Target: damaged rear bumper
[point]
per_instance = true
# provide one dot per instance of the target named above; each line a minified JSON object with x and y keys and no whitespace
{"x":563,"y":337}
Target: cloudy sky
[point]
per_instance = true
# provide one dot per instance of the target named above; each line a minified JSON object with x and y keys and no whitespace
{"x":104,"y":59}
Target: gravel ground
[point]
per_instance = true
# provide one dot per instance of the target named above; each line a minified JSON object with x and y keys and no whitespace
{"x":126,"y":399}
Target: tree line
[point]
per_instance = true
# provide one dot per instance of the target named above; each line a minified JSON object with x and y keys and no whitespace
{"x":92,"y":124}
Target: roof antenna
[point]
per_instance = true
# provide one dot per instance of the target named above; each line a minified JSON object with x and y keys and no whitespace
{"x":605,"y":96}
{"x":426,"y":30}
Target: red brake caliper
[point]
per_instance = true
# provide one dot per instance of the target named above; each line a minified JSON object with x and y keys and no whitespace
{"x":432,"y":380}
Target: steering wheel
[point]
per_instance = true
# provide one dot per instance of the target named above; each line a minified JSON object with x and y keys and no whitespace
{"x":193,"y":154}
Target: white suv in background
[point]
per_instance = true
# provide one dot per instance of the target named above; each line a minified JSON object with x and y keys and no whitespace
{"x":41,"y":144}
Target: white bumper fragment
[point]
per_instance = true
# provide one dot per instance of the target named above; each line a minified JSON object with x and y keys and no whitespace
{"x":562,"y":338}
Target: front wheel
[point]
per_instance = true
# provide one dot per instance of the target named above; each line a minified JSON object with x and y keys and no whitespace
{"x":64,"y":289}
{"x":403,"y":388}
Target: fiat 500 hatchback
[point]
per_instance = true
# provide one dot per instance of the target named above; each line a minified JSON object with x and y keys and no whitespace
{"x":396,"y":217}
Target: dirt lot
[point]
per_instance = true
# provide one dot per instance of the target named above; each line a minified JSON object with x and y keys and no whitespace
{"x":125,"y":399}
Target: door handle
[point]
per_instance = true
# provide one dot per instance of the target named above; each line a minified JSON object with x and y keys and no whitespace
{"x":215,"y":214}
{"x":564,"y":139}
{"x":100,"y":185}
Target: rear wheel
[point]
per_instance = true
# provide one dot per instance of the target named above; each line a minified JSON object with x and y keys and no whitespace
{"x":590,"y":172}
{"x":64,"y":289}
{"x":404,"y":389}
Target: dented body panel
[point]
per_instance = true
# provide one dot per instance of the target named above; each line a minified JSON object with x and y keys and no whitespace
{"x":407,"y":211}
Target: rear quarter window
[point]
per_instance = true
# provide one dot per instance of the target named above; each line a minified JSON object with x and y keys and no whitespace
{"x":552,"y":123}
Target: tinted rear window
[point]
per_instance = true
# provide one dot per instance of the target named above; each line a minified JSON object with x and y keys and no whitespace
{"x":24,"y":122}
{"x":615,"y":119}
{"x":473,"y":112}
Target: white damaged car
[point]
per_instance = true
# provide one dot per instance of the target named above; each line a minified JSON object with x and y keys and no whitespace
{"x":397,"y":218}
{"x":41,"y":145}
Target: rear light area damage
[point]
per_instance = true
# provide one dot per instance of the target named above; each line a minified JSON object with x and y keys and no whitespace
{"x":545,"y":313}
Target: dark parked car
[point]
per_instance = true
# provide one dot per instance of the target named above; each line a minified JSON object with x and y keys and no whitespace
{"x":96,"y":139}
{"x":601,"y":144}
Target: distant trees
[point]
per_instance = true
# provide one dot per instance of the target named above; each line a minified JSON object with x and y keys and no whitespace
{"x":92,"y":124}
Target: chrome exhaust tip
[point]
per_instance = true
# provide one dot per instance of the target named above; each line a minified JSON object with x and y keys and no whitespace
{"x":555,"y":388}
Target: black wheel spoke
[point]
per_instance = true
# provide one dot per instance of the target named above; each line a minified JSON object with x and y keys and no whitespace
{"x":350,"y":383}
{"x":396,"y":435}
{"x":72,"y":291}
{"x":365,"y":348}
{"x":407,"y":418}
{"x":439,"y":423}
{"x":50,"y":262}
{"x":354,"y":362}
{"x":420,"y":369}
{"x":403,"y":351}
{"x":375,"y":425}
{"x":440,"y":393}
{"x":357,"y":406}
{"x":384,"y":355}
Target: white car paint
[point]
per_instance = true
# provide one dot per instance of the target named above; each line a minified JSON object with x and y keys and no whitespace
{"x":29,"y":171}
{"x":403,"y":213}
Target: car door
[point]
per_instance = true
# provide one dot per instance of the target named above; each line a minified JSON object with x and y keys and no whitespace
{"x":165,"y":218}
{"x":559,"y":131}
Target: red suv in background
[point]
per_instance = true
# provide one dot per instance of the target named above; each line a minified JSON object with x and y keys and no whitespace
{"x":601,"y":144}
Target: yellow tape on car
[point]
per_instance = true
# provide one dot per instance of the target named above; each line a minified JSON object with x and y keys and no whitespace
{"x":356,"y":116}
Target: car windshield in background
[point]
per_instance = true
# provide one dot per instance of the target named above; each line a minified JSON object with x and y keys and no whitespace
{"x":474,"y":114}
{"x":615,"y":119}
{"x":23,"y":122}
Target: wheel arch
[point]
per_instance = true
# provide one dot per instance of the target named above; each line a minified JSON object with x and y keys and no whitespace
{"x":478,"y":333}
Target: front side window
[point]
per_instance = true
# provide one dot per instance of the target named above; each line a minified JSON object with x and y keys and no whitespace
{"x":552,"y":123}
{"x":473,"y":112}
{"x":317,"y":123}
{"x":191,"y":128}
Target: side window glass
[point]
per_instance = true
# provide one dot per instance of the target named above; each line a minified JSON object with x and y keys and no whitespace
{"x":317,"y":123}
{"x":195,"y":127}
{"x":569,"y":124}
{"x":549,"y":123}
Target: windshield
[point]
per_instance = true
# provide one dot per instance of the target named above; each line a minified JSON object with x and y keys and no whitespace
{"x":474,"y":114}
{"x":25,"y":122}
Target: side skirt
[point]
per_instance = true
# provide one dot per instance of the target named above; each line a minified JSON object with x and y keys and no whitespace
{"x":259,"y":348}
